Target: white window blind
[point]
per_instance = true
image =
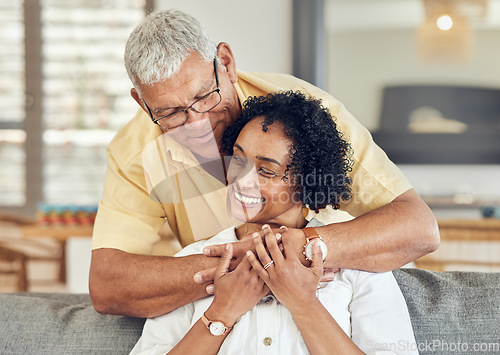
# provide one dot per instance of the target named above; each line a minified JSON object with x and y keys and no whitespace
{"x":85,"y":92}
{"x":12,"y":90}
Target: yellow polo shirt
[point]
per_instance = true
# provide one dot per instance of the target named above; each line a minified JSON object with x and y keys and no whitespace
{"x":192,"y":202}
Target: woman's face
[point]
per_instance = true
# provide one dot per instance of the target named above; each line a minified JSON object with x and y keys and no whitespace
{"x":257,"y":192}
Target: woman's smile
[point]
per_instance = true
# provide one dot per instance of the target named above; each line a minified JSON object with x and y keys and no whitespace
{"x":246,"y":200}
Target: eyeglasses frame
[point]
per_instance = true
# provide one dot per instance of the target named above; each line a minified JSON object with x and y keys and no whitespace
{"x":190,"y":107}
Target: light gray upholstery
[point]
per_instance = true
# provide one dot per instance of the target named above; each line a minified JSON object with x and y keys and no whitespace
{"x":448,"y":310}
{"x":62,"y":324}
{"x":453,"y":312}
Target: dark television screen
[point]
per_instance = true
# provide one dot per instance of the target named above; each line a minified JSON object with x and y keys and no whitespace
{"x":427,"y":124}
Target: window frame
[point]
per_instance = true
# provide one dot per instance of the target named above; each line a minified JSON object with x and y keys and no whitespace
{"x":32,"y":125}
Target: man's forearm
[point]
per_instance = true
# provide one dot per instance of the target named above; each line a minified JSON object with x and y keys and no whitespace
{"x":384,"y":239}
{"x":144,"y":286}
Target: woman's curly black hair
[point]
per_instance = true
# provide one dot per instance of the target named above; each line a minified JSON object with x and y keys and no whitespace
{"x":320,"y":157}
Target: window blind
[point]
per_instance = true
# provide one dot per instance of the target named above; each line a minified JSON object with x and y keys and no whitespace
{"x":85,"y":92}
{"x":12,"y":97}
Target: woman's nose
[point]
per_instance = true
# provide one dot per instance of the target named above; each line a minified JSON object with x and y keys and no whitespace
{"x":248,"y":178}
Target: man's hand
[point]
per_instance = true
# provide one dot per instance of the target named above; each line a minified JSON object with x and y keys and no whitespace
{"x":239,"y":250}
{"x":297,"y":239}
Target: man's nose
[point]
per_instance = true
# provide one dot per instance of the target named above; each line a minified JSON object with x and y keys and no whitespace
{"x":195,"y":119}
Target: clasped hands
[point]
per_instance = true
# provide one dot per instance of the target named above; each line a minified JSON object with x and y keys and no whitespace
{"x":268,"y":268}
{"x":240,"y":248}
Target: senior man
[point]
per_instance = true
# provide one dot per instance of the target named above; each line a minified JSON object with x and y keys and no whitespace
{"x":163,"y":169}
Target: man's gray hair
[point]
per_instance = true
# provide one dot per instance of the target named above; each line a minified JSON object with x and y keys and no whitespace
{"x":157,"y":47}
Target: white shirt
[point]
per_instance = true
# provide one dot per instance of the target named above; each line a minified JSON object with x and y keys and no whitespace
{"x":369,"y":307}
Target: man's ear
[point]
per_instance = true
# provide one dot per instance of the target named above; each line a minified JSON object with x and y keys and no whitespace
{"x":137,"y":98}
{"x":226,"y":59}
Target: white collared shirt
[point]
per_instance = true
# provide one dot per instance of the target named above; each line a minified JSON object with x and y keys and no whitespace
{"x":369,"y":307}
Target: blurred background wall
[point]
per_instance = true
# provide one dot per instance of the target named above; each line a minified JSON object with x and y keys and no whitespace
{"x":64,"y":91}
{"x":375,"y":44}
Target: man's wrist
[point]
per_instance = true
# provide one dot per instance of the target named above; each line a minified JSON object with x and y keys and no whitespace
{"x":312,"y":237}
{"x":300,"y":240}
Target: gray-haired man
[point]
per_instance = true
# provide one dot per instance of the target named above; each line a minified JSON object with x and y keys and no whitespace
{"x":190,"y":92}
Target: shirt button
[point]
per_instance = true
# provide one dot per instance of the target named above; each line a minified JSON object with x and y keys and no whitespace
{"x":268,"y":341}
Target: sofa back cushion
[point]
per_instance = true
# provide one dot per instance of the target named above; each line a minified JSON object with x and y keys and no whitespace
{"x":453,"y":312}
{"x":34,"y":323}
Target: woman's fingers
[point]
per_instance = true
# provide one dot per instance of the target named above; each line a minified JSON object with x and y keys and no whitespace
{"x":244,"y":264}
{"x":261,"y":249}
{"x":223,"y":266}
{"x":317,"y":259}
{"x":256,"y":265}
{"x":272,"y":244}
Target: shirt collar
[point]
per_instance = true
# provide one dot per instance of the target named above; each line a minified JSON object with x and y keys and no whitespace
{"x":176,"y":152}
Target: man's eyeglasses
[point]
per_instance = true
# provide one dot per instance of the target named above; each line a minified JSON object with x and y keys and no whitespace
{"x":204,"y":104}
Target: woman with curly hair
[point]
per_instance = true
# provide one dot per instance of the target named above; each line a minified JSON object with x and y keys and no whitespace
{"x":286,"y":154}
{"x":319,"y":156}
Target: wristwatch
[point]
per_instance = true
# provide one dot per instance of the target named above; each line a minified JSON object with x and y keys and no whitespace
{"x":311,"y":235}
{"x":216,"y":328}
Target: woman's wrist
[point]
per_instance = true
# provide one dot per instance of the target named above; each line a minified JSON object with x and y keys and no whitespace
{"x":305,"y":309}
{"x":227,"y":317}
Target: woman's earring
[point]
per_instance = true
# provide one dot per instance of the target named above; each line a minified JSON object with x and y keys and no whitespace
{"x":305,"y":211}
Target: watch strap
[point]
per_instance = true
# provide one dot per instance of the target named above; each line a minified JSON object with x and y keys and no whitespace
{"x":205,"y":320}
{"x":310,"y":233}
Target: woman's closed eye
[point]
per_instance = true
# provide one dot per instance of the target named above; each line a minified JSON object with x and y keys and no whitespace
{"x":239,"y":162}
{"x":267,"y":173}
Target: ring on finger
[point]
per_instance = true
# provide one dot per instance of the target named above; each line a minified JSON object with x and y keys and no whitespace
{"x":268,"y":264}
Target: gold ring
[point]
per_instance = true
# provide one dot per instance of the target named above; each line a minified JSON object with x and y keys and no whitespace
{"x":268,"y":264}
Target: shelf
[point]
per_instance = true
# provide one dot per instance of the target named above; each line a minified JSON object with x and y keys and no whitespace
{"x":61,"y":233}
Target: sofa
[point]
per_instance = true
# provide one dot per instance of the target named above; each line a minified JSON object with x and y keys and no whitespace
{"x":451,"y":312}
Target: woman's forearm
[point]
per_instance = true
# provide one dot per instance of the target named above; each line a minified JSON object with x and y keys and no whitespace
{"x":320,"y":331}
{"x":198,"y":340}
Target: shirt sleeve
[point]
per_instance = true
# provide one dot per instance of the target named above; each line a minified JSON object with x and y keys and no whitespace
{"x":162,"y":333}
{"x":127,"y":219}
{"x":380,"y":320}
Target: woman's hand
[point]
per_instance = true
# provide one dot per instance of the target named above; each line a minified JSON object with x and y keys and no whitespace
{"x":291,"y":282}
{"x":236,"y":292}
{"x":245,"y":244}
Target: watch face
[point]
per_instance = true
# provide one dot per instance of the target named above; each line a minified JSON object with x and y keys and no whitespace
{"x":217,"y":328}
{"x":322,"y":245}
